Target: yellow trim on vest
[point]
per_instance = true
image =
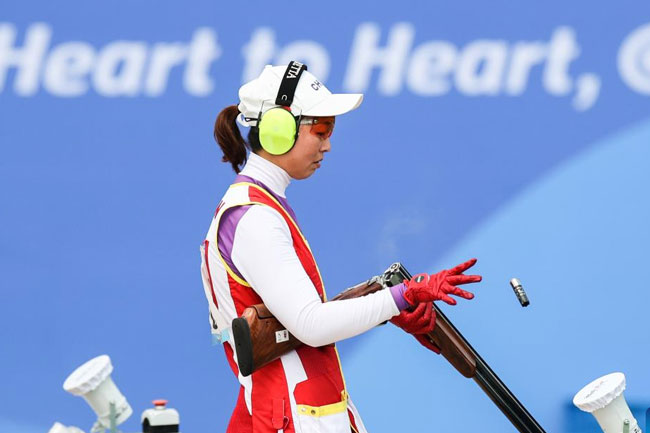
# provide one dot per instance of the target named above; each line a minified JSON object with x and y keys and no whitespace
{"x":330,"y":409}
{"x":232,"y":273}
{"x":338,"y":358}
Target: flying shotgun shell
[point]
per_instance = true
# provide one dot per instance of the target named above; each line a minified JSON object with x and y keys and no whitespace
{"x":519,"y":291}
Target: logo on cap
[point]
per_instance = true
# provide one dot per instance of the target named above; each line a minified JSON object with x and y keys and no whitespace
{"x":294,"y":68}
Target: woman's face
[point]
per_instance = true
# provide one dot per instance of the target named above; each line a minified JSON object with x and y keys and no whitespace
{"x":306,"y":155}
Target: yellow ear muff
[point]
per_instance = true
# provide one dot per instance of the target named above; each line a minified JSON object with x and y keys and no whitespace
{"x":277,"y":131}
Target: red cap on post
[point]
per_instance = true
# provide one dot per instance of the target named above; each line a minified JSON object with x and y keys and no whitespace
{"x":160,"y":402}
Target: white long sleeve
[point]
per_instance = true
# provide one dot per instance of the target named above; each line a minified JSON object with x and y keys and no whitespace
{"x":264,"y":255}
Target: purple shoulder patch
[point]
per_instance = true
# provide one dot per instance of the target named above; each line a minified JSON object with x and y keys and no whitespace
{"x":231,"y":217}
{"x":226,"y":234}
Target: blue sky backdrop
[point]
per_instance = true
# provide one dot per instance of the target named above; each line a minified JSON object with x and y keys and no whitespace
{"x":514,"y":132}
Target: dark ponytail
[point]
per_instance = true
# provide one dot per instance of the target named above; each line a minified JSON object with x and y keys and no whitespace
{"x":227,"y":135}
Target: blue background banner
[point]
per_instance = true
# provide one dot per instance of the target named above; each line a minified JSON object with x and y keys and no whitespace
{"x":518,"y":133}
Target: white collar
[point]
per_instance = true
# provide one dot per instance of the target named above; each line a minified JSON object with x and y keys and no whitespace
{"x":268,"y":173}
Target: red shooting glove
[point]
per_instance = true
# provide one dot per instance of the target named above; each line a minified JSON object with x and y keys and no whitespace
{"x":418,"y":322}
{"x":434,"y":287}
{"x":421,"y":320}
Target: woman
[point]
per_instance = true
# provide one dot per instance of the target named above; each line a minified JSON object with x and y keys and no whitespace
{"x":254,"y":253}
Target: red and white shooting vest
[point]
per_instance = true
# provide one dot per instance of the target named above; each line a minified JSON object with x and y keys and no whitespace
{"x":304,"y":391}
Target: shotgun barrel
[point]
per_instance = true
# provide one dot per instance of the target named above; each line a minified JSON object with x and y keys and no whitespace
{"x":477,"y":369}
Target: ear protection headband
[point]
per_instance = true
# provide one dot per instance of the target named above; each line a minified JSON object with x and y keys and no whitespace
{"x":278,"y":128}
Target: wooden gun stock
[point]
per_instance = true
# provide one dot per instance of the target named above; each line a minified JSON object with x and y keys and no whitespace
{"x":260,"y":338}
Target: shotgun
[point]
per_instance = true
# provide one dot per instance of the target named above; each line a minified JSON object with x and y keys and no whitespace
{"x":260,"y":338}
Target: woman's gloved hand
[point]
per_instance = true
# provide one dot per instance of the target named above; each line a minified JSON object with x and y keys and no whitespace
{"x":434,"y":287}
{"x":418,"y":322}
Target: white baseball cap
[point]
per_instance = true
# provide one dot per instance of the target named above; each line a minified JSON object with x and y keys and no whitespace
{"x":311,"y":97}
